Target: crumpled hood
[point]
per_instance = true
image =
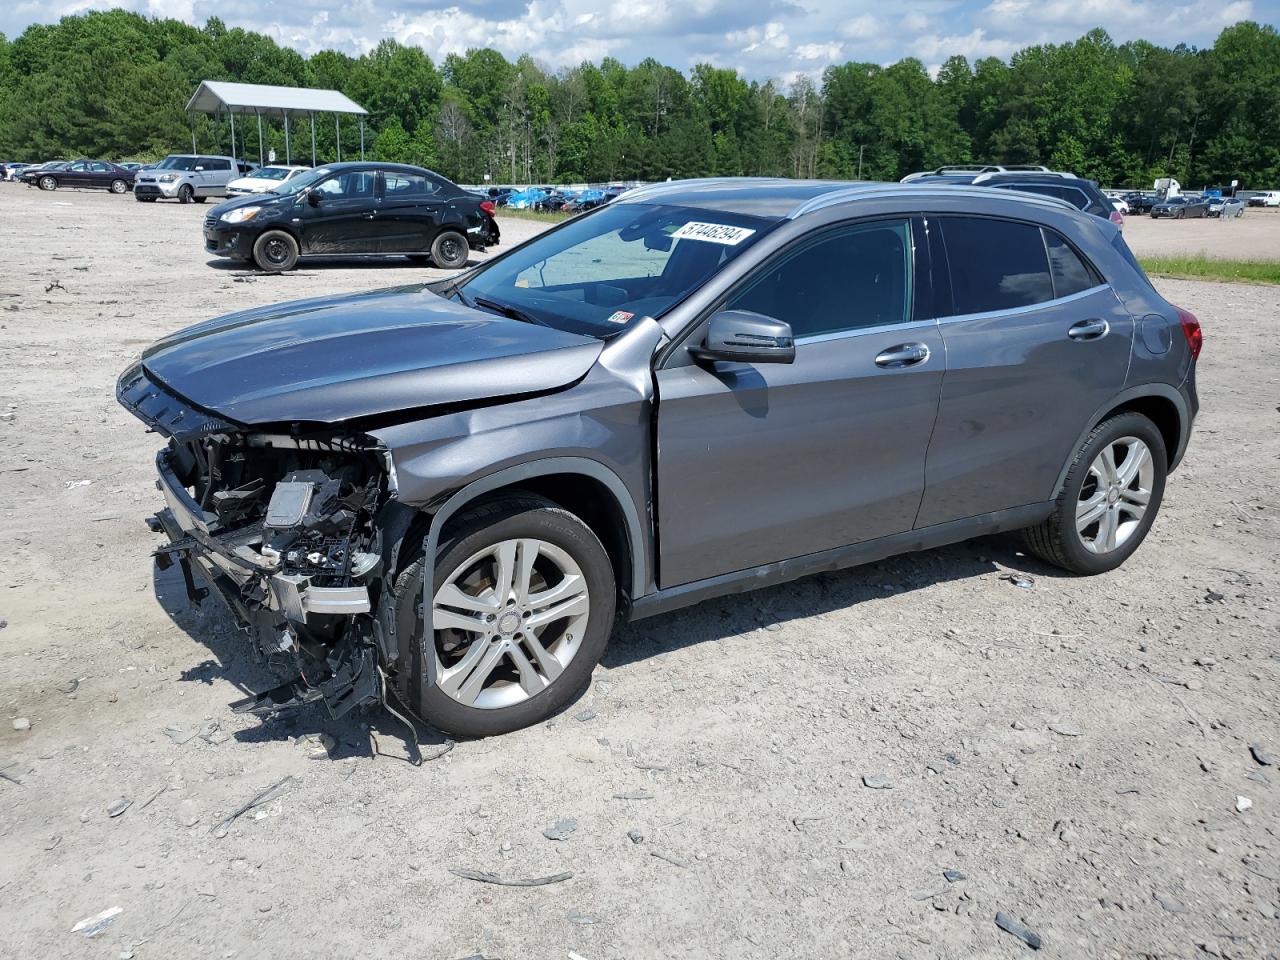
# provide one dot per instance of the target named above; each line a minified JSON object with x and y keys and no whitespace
{"x":334,"y":359}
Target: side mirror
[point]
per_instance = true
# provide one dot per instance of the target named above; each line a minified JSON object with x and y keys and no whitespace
{"x":313,"y":198}
{"x":747,"y":337}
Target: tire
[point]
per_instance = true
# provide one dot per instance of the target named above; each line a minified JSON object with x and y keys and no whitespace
{"x":1062,"y":540}
{"x":501,"y":699}
{"x":119,"y":186}
{"x":185,"y":193}
{"x":275,"y":251}
{"x":48,"y":183}
{"x":449,"y":250}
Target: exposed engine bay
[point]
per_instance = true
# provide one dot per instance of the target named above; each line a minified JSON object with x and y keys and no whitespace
{"x":284,"y":527}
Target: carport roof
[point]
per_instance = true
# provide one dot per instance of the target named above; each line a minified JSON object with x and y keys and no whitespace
{"x":219,"y":96}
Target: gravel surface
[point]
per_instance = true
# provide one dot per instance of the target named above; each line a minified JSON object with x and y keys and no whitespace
{"x":874,"y":763}
{"x":1253,"y":236}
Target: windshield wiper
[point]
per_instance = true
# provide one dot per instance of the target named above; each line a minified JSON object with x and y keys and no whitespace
{"x":501,"y":308}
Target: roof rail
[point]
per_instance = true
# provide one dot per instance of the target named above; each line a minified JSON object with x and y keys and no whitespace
{"x":875,"y":191}
{"x":984,"y":177}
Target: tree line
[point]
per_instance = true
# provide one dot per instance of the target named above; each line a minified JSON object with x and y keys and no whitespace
{"x":115,"y":84}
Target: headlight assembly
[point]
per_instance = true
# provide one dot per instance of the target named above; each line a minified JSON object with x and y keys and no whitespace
{"x":240,"y":214}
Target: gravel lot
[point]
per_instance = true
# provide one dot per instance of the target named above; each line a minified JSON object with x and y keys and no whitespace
{"x":1079,"y":751}
{"x":1253,"y":236}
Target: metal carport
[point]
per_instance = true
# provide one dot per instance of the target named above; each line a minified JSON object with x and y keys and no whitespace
{"x":220,"y":96}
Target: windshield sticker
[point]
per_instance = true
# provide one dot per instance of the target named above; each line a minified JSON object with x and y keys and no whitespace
{"x":713,"y":233}
{"x":620,"y":316}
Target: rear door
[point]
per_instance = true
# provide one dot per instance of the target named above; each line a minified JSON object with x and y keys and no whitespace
{"x":1036,"y":342}
{"x":408,"y":213}
{"x":339,"y":216}
{"x":764,"y":462}
{"x":215,"y":176}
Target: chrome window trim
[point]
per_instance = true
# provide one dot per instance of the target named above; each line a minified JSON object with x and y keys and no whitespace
{"x":1029,"y":308}
{"x":864,"y":331}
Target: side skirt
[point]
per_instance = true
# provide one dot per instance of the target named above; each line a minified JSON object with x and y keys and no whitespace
{"x":770,"y":574}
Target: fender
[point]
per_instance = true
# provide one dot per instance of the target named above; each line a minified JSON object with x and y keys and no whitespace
{"x":515,"y":474}
{"x":1162,"y":390}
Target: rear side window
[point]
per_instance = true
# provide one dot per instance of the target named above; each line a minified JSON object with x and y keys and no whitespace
{"x":213,"y":163}
{"x":995,"y":264}
{"x":400,"y":185}
{"x":1070,"y":273}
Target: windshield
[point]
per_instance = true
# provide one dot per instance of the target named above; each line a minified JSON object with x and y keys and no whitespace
{"x":177,"y":163}
{"x":599,"y":272}
{"x":270,"y":173}
{"x":303,"y":180}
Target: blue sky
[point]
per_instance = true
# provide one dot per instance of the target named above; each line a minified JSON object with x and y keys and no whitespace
{"x":766,"y":38}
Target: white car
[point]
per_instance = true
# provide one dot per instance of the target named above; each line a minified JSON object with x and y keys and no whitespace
{"x":1120,"y":204}
{"x":1267,"y":198}
{"x":263,"y":180}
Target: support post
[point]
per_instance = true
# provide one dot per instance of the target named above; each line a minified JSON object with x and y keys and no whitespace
{"x":362,"y":138}
{"x":233,"y":141}
{"x":313,"y":139}
{"x":193,"y":134}
{"x":288,"y":157}
{"x":262,"y":157}
{"x":337,"y":134}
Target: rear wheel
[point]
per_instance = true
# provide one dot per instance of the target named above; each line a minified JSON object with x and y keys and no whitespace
{"x":119,"y":186}
{"x":185,"y":193}
{"x":48,"y":183}
{"x":523,"y":608}
{"x":275,"y":251}
{"x":449,"y":250}
{"x":1109,"y":499}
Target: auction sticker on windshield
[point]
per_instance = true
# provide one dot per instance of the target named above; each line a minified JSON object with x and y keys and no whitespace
{"x":713,"y":233}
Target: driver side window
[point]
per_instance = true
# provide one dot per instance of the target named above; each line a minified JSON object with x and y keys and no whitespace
{"x":353,"y":185}
{"x":855,"y":276}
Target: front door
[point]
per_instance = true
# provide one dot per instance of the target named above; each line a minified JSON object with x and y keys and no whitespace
{"x":339,"y":214}
{"x":75,"y":175}
{"x":408,"y":213}
{"x":1036,"y":343}
{"x":764,"y":462}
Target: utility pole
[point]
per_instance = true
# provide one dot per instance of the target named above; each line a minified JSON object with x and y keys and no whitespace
{"x":861,"y":147}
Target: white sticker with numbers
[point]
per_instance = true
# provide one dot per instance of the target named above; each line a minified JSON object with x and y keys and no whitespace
{"x":713,"y":233}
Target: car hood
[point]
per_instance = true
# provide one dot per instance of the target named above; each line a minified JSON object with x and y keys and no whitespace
{"x":337,"y":359}
{"x":265,"y":199}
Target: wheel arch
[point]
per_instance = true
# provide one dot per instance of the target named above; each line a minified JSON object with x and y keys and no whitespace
{"x":584,"y":487}
{"x":1160,"y":403}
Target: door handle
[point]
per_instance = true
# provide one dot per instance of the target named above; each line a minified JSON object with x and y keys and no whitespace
{"x":903,"y":355}
{"x":1089,"y":330}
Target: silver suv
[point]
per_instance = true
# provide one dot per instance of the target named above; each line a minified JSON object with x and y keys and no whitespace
{"x":187,"y":176}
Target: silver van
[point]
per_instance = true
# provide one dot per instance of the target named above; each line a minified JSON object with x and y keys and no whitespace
{"x":187,"y":177}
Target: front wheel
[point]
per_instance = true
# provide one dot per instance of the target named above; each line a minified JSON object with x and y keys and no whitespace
{"x":523,"y":606}
{"x":185,"y":193}
{"x":48,"y":183}
{"x":275,"y":251}
{"x":449,"y":250}
{"x":1109,"y":499}
{"x":119,"y":186}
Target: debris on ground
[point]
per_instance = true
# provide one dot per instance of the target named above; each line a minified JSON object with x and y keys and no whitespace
{"x":668,"y":858}
{"x":635,"y":836}
{"x":1261,"y":755}
{"x":1064,"y":729}
{"x":1018,"y":580}
{"x":953,"y":876}
{"x":219,"y":829}
{"x":119,"y":807}
{"x":577,"y":916}
{"x":21,"y":723}
{"x":1009,"y":925}
{"x":180,"y":735}
{"x":481,"y":876}
{"x":1243,"y":804}
{"x":633,"y":795}
{"x":875,"y":781}
{"x":585,"y":715}
{"x":560,"y":830}
{"x":93,"y":926}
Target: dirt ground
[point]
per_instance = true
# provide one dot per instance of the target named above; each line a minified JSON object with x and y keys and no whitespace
{"x":1078,"y":751}
{"x":1253,"y":236}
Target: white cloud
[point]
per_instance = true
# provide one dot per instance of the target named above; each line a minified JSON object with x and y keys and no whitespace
{"x":819,"y":51}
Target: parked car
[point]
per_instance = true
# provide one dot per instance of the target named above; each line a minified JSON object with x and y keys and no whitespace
{"x":586,"y":200}
{"x":13,"y":171}
{"x":1267,"y":198}
{"x":1080,"y":193}
{"x":1181,"y":207}
{"x":1141,"y":202}
{"x":85,"y":174}
{"x":187,"y":177}
{"x":526,"y":199}
{"x":354,"y":208}
{"x":447,"y":491}
{"x":133,"y":165}
{"x":263,"y":180}
{"x":555,"y":200}
{"x":1121,"y":204}
{"x":1225,"y":208}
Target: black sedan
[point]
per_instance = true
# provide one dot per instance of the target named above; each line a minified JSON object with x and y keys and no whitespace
{"x":90,"y":174}
{"x":1179,"y":208}
{"x":354,"y":208}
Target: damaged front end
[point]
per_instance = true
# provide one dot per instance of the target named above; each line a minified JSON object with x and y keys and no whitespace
{"x":284,"y":528}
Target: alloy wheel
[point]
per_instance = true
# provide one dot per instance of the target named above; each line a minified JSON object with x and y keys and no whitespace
{"x":508,"y":620}
{"x":1115,"y":494}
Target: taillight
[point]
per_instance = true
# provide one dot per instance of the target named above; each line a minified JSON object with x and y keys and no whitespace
{"x":1191,"y":330}
{"x":1116,"y":217}
{"x":487,"y":206}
